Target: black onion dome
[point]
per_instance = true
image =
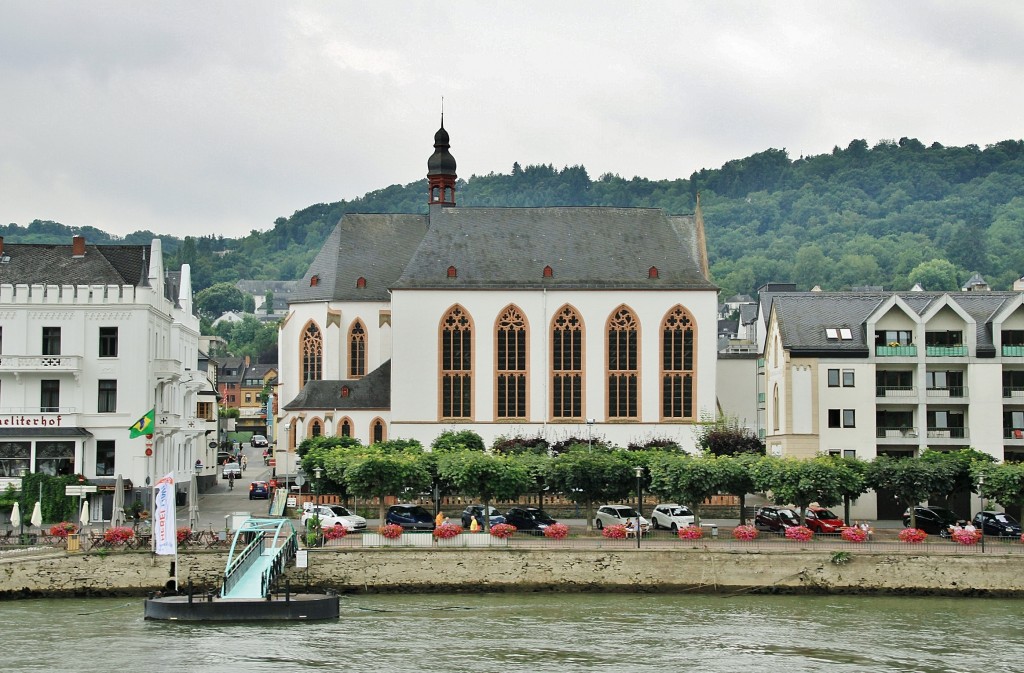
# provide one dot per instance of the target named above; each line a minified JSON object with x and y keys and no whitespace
{"x":441,"y":162}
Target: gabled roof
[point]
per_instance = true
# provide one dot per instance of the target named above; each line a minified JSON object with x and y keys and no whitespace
{"x":373,"y":391}
{"x":803,"y":317}
{"x":586,"y":248}
{"x":374,"y":247}
{"x":48,"y":264}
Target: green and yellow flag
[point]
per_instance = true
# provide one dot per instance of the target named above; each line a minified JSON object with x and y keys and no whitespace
{"x":144,"y":426}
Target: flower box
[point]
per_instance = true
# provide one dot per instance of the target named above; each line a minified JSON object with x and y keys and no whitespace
{"x":559,"y":531}
{"x":966,"y":537}
{"x":690,"y":533}
{"x":854,"y":534}
{"x":472,"y":541}
{"x":913,"y":535}
{"x":744,"y":533}
{"x":799,"y":533}
{"x":423,"y":539}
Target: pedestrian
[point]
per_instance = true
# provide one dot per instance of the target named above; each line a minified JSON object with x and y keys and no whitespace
{"x":439,"y":519}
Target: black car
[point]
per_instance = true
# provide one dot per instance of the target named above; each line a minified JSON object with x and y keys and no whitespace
{"x":529,"y":519}
{"x":998,"y":524}
{"x":775,"y":519}
{"x":477,"y":512}
{"x":932,"y":520}
{"x":409,"y":517}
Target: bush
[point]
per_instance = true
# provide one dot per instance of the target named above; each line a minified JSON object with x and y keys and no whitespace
{"x":503,"y":530}
{"x":559,"y":531}
{"x":745,"y":533}
{"x":617,"y":532}
{"x":913,"y":535}
{"x":799,"y":533}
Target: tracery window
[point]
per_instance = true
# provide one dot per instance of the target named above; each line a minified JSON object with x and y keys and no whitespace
{"x":623,"y":368}
{"x":677,"y":364}
{"x":456,"y":350}
{"x":567,"y":362}
{"x":511,"y":336}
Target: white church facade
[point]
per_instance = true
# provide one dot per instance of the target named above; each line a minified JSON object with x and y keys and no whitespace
{"x":552,"y":322}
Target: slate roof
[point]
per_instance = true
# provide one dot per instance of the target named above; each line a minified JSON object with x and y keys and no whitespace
{"x":376,"y":247}
{"x":48,"y":264}
{"x":373,"y":391}
{"x":804,"y":316}
{"x":586,"y":247}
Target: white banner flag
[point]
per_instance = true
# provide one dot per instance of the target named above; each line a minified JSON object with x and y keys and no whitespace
{"x":165,"y":536}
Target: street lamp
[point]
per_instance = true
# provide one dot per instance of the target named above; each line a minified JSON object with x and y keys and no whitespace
{"x":318,"y":471}
{"x":639,"y":499}
{"x":981,"y":516}
{"x":590,"y":434}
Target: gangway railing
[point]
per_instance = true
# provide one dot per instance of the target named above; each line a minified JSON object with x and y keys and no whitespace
{"x":256,"y":558}
{"x":237,"y":566}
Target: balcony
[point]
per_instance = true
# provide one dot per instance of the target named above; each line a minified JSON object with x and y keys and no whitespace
{"x":166,"y":369}
{"x":954,"y":392}
{"x":1013,"y":391}
{"x":902,"y":432}
{"x":902,"y":393}
{"x":41,"y":364}
{"x":1013,"y":351}
{"x":946,"y":351}
{"x":1013,"y":433}
{"x":896,"y":351}
{"x":947,"y":433}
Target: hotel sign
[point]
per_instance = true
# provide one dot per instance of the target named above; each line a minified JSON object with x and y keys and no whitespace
{"x":19,"y":421}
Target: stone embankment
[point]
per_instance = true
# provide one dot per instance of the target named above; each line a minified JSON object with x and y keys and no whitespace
{"x":352,"y":570}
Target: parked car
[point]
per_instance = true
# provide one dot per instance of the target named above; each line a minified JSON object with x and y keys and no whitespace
{"x":998,"y":524}
{"x":529,"y":519}
{"x":231,"y":470}
{"x":822,"y":520}
{"x":409,"y":517}
{"x":259,"y":490}
{"x":932,"y":520}
{"x":477,"y":512}
{"x":619,"y":515}
{"x":775,"y":519}
{"x":258,"y":440}
{"x":331,"y":515}
{"x":672,"y":516}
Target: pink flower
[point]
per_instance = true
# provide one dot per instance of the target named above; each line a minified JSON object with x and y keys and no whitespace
{"x":183,"y":534}
{"x":446,"y":531}
{"x":503,"y":530}
{"x":690,"y":533}
{"x":913,"y":535}
{"x":744,"y":533}
{"x":335,"y":532}
{"x":391,"y":531}
{"x":62,"y":529}
{"x":966,"y":537}
{"x":799,"y":533}
{"x":558,"y":531}
{"x":854,"y":534}
{"x":119,"y":535}
{"x":617,"y":532}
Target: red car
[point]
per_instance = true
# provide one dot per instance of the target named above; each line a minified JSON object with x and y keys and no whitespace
{"x":822,"y":520}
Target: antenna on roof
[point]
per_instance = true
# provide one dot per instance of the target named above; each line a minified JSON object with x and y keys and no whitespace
{"x":442,"y":111}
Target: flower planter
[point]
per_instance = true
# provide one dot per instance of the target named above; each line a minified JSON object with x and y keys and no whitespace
{"x":404,"y":540}
{"x":473,"y":540}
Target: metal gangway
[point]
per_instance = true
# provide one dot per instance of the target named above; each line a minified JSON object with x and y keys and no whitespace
{"x":260,"y":551}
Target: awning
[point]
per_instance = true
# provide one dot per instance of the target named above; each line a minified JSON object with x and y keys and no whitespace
{"x":44,"y":432}
{"x":108,"y":484}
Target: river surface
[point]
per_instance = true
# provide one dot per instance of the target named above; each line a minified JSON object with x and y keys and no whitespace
{"x":535,"y":633}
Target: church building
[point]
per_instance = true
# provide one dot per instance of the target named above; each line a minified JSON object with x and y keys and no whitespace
{"x":553,"y":322}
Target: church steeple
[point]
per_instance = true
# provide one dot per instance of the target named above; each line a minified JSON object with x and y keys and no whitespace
{"x":441,"y":170}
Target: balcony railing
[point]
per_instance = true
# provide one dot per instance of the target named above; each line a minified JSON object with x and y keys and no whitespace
{"x":1013,"y":391}
{"x":946,"y":351}
{"x":947,"y":433}
{"x":895,"y":391}
{"x":49,"y":364}
{"x":1013,"y":433}
{"x":896,"y":351}
{"x":950,"y":391}
{"x":1013,"y":351}
{"x":900,"y":432}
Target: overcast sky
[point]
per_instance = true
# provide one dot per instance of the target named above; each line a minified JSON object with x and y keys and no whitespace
{"x":218,"y":117}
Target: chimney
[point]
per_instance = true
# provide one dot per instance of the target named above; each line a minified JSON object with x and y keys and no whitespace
{"x":1,"y":245}
{"x":78,"y":246}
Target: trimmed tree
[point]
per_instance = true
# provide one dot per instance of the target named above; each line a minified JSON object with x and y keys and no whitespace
{"x":687,"y":479}
{"x":376,"y":474}
{"x":586,"y":477}
{"x":912,"y":481}
{"x":485,"y":476}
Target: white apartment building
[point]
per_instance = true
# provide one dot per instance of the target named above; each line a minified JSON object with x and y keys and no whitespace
{"x":92,"y":338}
{"x":893,"y":373}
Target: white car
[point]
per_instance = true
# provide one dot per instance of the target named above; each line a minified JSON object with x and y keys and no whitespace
{"x":619,"y":515}
{"x":331,"y":515}
{"x":672,"y":516}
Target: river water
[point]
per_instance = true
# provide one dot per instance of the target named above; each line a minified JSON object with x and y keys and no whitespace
{"x":535,"y":633}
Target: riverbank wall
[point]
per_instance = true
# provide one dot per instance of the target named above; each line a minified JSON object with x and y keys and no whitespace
{"x":412,"y":570}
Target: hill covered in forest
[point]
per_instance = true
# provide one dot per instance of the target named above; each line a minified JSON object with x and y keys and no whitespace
{"x":888,"y":215}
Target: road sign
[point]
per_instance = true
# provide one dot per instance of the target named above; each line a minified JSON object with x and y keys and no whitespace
{"x":79,"y":490}
{"x":300,"y":480}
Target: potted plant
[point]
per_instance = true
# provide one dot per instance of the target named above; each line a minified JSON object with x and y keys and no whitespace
{"x":854,"y":534}
{"x":745,"y":533}
{"x":616,"y":532}
{"x":335,"y":532}
{"x":966,"y":537}
{"x":119,"y":535}
{"x":503,"y":530}
{"x":184,"y":534}
{"x":690,"y":533}
{"x":447,"y":531}
{"x":799,"y":533}
{"x":913,"y":535}
{"x":559,"y":531}
{"x":63,"y":529}
{"x":390,"y":531}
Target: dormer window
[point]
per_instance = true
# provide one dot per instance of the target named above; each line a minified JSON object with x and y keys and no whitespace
{"x":839,"y":333}
{"x":314,"y":280}
{"x":345,"y":390}
{"x":652,"y":272}
{"x":360,"y":283}
{"x":452,"y":272}
{"x":548,"y":272}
